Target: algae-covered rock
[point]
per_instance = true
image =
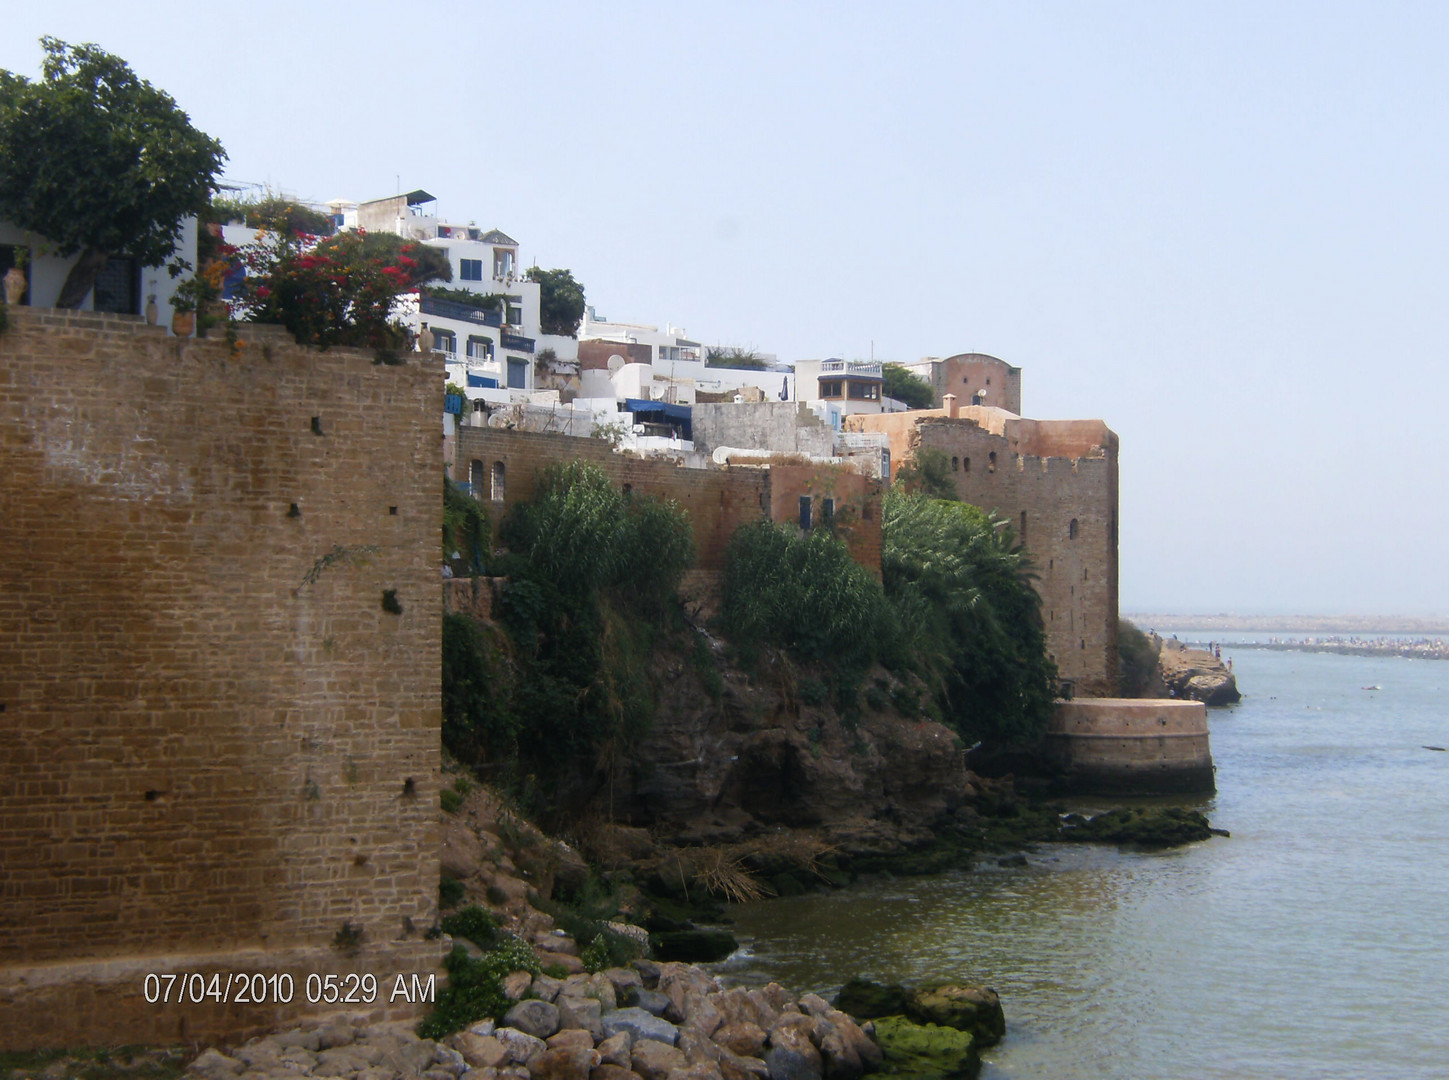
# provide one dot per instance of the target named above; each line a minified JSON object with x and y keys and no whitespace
{"x":693,"y":946}
{"x":926,"y":1050}
{"x":866,"y":1000}
{"x":1155,"y":827}
{"x":976,"y":1009}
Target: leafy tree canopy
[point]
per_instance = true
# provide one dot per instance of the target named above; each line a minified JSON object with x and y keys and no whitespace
{"x":903,"y":385}
{"x":274,"y":212}
{"x":927,"y":472}
{"x":560,"y":300}
{"x":100,"y":162}
{"x":735,"y":358}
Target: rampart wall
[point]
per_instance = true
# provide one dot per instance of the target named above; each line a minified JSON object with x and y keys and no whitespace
{"x":219,"y":674}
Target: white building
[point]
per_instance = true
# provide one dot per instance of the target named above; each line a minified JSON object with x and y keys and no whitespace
{"x":124,"y":287}
{"x":835,"y":388}
{"x":485,"y":348}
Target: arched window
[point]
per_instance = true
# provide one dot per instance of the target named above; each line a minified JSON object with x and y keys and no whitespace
{"x":1072,"y":530}
{"x":475,"y":478}
{"x":965,"y":464}
{"x":991,"y":461}
{"x":497,"y":492}
{"x":955,"y":464}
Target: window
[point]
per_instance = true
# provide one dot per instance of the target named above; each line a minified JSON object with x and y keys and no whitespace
{"x":830,"y":388}
{"x":517,"y":374}
{"x":1072,"y":530}
{"x":116,"y":288}
{"x":445,"y":341}
{"x":991,"y":461}
{"x":865,"y":391}
{"x":514,"y":312}
{"x":480,"y":348}
{"x":955,"y":464}
{"x":965,"y":464}
{"x":497,"y":492}
{"x":805,"y":512}
{"x":502,"y":262}
{"x":470,"y":269}
{"x":827,"y":512}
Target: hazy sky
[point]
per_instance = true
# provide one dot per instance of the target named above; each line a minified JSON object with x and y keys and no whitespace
{"x":1220,"y":227}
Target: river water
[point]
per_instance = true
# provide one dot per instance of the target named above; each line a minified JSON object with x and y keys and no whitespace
{"x":1313,"y":943}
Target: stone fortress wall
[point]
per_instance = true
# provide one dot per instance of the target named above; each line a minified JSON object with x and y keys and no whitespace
{"x":219,"y":674}
{"x":1055,"y":481}
{"x":503,"y":467}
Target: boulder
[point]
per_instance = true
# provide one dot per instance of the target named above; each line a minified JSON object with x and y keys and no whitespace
{"x":615,"y":1050}
{"x":699,"y":1070}
{"x":864,"y":1046}
{"x":546,"y":987}
{"x":651,"y":1001}
{"x":520,"y":1047}
{"x":580,"y":1012}
{"x":480,"y":1051}
{"x":215,"y":1063}
{"x":743,"y":1037}
{"x":696,"y":1046}
{"x":1147,"y":826}
{"x":976,"y":1009}
{"x":791,"y":1054}
{"x":641,"y":1026}
{"x":515,"y":984}
{"x":570,"y":1038}
{"x":866,"y":1000}
{"x":927,"y":1049}
{"x":613,"y":1072}
{"x":533,"y":1017}
{"x":565,"y":1063}
{"x":739,"y":1067}
{"x":655,"y":1060}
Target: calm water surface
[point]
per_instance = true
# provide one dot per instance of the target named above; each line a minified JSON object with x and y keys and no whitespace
{"x":1313,"y":943}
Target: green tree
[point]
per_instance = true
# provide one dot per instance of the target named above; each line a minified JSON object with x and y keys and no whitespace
{"x":560,"y":300}
{"x":904,"y":386}
{"x":962,"y":589}
{"x":927,"y":472}
{"x":734,"y":358}
{"x":99,"y":162}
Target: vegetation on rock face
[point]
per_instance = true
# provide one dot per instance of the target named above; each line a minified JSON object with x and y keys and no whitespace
{"x":926,"y":472}
{"x":560,"y":301}
{"x":962,"y":590}
{"x":805,"y":594}
{"x":99,"y":162}
{"x":592,"y":575}
{"x":1136,"y":660}
{"x":906,"y":387}
{"x":475,"y":987}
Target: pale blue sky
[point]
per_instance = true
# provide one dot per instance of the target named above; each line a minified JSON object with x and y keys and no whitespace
{"x":1221,"y":228}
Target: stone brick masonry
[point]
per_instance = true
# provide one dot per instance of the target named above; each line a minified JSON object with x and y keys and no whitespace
{"x":217,"y":745}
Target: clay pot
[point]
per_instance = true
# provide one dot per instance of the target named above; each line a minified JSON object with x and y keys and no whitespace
{"x":183,"y":323}
{"x":14,"y":285}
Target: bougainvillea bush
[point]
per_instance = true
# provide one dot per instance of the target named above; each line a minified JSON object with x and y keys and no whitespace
{"x":341,"y":290}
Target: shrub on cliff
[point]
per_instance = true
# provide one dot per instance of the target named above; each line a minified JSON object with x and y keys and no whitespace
{"x":805,"y":594}
{"x":568,"y":683}
{"x":962,"y":590}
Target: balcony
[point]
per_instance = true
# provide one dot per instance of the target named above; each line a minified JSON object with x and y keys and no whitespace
{"x":861,"y":369}
{"x":450,"y":309}
{"x":517,"y":342}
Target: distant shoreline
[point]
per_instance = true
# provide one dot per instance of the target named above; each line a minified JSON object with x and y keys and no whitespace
{"x":1312,"y":624}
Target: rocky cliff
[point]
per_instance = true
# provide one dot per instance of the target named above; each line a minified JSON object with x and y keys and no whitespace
{"x":1196,"y":674}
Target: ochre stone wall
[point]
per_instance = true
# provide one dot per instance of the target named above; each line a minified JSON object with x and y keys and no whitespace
{"x":969,"y":374}
{"x":218,"y":746}
{"x":718,"y":501}
{"x":1056,"y":483}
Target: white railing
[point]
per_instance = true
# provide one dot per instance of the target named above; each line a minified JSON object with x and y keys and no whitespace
{"x":867,"y":368}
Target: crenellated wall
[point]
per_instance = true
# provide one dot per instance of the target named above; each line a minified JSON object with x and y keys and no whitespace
{"x":219,"y":674}
{"x":1056,"y":483}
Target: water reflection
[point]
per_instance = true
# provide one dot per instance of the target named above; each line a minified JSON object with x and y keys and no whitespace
{"x":1311,"y":944}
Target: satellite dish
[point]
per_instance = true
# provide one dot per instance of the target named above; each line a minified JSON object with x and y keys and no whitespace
{"x":616,"y":362}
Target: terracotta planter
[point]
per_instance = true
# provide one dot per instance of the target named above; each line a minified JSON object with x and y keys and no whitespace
{"x":183,"y":323}
{"x":14,"y":285}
